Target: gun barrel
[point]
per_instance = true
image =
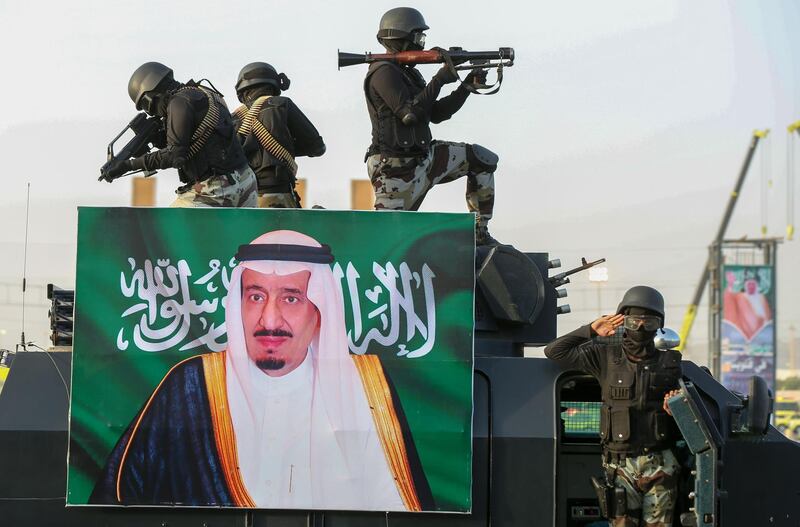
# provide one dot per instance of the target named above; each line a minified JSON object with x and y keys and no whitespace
{"x":562,"y":278}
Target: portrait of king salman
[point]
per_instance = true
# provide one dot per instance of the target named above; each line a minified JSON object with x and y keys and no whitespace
{"x":285,"y":417}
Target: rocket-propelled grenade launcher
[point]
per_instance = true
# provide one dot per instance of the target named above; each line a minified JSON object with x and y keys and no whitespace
{"x":455,"y":58}
{"x":458,"y":56}
{"x":147,"y":131}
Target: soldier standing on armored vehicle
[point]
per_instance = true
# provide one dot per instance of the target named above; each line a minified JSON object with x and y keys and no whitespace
{"x":200,"y":141}
{"x":403,"y":161}
{"x":636,"y":432}
{"x":273,"y":132}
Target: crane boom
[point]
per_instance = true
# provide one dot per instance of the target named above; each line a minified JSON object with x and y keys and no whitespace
{"x":691,"y":311}
{"x":792,"y":128}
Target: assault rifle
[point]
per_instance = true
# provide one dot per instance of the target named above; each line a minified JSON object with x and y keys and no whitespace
{"x":456,"y":59}
{"x":147,"y":131}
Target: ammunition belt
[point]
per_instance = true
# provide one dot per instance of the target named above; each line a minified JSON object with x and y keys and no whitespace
{"x":250,"y":123}
{"x":210,"y":120}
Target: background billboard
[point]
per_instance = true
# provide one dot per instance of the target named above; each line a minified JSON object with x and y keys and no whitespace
{"x":748,"y":325}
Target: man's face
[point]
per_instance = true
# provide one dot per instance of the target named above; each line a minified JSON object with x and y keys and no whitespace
{"x":751,"y":287}
{"x":278,"y":318}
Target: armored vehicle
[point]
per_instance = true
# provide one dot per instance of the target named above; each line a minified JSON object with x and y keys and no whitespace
{"x":535,"y":436}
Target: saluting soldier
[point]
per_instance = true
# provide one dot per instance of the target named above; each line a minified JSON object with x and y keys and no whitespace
{"x":273,"y":132}
{"x":637,"y":432}
{"x":200,"y":140}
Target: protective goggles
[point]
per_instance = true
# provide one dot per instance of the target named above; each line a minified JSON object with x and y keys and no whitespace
{"x":418,"y":38}
{"x":149,"y":102}
{"x":645,"y":322}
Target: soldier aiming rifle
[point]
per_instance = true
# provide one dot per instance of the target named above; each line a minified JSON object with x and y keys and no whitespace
{"x":193,"y":131}
{"x":403,"y":161}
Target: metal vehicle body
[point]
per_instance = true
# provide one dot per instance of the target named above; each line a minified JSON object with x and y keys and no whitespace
{"x":531,"y":461}
{"x":535,"y":435}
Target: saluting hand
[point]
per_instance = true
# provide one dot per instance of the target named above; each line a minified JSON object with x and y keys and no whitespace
{"x":607,"y":325}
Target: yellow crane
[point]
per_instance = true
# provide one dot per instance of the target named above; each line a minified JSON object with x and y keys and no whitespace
{"x":792,"y":128}
{"x":691,"y":311}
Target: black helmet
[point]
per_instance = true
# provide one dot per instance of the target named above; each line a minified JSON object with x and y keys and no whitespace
{"x":399,"y":24}
{"x":257,"y":73}
{"x":644,"y":297}
{"x":146,"y":78}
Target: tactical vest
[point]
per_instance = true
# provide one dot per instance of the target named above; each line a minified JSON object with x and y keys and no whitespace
{"x":632,"y":418}
{"x":214,"y":149}
{"x":390,"y":137}
{"x":270,"y":153}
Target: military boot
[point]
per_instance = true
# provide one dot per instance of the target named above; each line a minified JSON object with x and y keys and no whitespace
{"x":482,"y":236}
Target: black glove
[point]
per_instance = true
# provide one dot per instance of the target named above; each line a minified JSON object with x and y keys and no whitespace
{"x":445,"y":75}
{"x":476,"y":78}
{"x":116,"y":170}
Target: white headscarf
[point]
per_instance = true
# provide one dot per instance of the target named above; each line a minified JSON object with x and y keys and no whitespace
{"x":341,"y":422}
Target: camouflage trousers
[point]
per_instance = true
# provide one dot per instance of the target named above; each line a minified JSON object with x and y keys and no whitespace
{"x":650,"y":484}
{"x":282,"y":200}
{"x":236,"y":189}
{"x":401,"y":183}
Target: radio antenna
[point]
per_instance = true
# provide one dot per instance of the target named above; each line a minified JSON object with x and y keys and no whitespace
{"x":22,"y":345}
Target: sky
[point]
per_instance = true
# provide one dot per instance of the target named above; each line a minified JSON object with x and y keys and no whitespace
{"x":620,"y":128}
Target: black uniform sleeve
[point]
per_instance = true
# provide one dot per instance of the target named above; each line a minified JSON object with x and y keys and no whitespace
{"x":307,"y":141}
{"x":389,"y":85}
{"x":575,"y":350}
{"x":180,"y":127}
{"x":444,"y":108}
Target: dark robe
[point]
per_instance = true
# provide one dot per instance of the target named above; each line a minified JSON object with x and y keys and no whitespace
{"x":180,"y":449}
{"x":174,"y":459}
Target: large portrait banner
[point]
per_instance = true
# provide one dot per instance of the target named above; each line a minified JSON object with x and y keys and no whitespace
{"x":748,"y":325}
{"x":273,"y":359}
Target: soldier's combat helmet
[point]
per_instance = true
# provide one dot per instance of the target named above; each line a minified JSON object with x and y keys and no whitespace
{"x":644,"y":297}
{"x":403,"y":24}
{"x":258,"y":73}
{"x":146,"y":78}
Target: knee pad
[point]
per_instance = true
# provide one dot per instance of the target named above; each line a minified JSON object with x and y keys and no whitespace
{"x":481,"y":159}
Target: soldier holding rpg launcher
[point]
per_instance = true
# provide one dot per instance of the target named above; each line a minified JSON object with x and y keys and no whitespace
{"x":403,"y":161}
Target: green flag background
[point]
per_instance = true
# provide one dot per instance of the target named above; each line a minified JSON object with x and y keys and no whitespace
{"x":150,"y":292}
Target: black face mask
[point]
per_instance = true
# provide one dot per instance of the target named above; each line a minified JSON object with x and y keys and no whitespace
{"x":161,"y":108}
{"x":638,"y":344}
{"x":397,"y":45}
{"x":417,"y":41}
{"x":154,"y":104}
{"x":249,"y":96}
{"x":393,"y":45}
